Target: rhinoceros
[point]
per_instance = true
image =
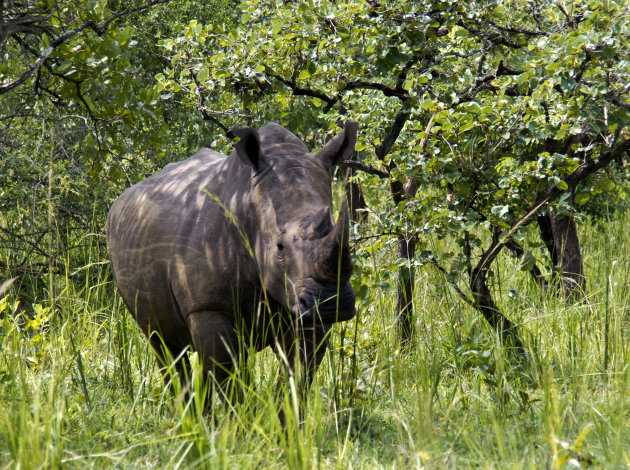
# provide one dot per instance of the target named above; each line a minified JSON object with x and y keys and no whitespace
{"x":218,"y":252}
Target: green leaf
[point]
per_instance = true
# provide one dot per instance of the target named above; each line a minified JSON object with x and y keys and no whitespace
{"x":562,"y":132}
{"x":581,"y":198}
{"x":500,"y":211}
{"x":522,"y":78}
{"x":400,"y":262}
{"x":276,"y":27}
{"x":203,"y":74}
{"x":528,"y":261}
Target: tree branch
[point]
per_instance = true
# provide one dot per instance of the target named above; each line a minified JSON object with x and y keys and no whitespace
{"x":483,"y":83}
{"x":299,"y":91}
{"x":206,"y":113}
{"x":390,"y":139}
{"x":490,"y":37}
{"x":387,"y":91}
{"x":363,"y":167}
{"x":463,"y":296}
{"x":207,"y":116}
{"x":509,"y":29}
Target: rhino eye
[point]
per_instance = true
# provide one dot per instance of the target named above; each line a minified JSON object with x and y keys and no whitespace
{"x":280,"y":247}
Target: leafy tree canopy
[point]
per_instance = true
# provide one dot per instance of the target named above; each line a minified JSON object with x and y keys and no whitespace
{"x":493,"y":109}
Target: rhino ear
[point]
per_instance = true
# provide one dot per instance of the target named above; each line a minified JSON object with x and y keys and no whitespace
{"x":248,"y":148}
{"x":339,"y":147}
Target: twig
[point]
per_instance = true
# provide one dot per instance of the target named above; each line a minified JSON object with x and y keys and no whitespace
{"x":356,"y":241}
{"x":463,"y":296}
{"x":363,"y":167}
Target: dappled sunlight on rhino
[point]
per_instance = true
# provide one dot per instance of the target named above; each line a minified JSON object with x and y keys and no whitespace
{"x":197,"y":247}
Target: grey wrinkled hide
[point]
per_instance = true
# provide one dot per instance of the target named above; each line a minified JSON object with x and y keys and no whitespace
{"x":216,"y":248}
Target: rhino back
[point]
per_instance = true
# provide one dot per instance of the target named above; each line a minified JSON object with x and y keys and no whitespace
{"x":167,"y":244}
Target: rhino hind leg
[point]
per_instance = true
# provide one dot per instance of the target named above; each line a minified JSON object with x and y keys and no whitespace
{"x":215,"y":339}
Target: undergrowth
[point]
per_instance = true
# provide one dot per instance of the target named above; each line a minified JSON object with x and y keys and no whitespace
{"x":80,"y":385}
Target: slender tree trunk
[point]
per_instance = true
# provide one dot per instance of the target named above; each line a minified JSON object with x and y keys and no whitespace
{"x":401,"y":192}
{"x":567,"y":245}
{"x":357,"y":203}
{"x":561,"y":238}
{"x":355,"y":196}
{"x":404,"y":302}
{"x":406,"y":276}
{"x":485,"y":304}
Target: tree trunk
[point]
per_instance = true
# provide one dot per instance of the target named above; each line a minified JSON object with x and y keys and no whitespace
{"x":406,"y":277}
{"x":355,"y":198}
{"x":561,"y":238}
{"x":567,"y":246}
{"x":406,"y":280}
{"x":485,"y":304}
{"x":400,"y":192}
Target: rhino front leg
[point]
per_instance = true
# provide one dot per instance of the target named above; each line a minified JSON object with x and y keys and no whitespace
{"x":215,"y":339}
{"x":301,"y":353}
{"x":168,"y":353}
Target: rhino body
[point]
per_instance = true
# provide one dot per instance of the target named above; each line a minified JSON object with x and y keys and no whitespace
{"x":229,"y":254}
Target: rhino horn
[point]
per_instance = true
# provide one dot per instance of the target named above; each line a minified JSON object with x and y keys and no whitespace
{"x":341,"y":232}
{"x":334,"y":249}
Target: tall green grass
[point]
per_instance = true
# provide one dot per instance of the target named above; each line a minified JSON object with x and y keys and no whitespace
{"x":80,"y":385}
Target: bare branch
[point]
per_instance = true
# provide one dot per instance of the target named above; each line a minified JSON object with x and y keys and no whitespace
{"x":36,"y":65}
{"x":356,"y":241}
{"x":209,"y":117}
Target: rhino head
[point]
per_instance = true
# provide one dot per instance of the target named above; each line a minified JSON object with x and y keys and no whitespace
{"x":302,"y":252}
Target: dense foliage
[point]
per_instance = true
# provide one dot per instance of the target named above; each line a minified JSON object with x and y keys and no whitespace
{"x":492,"y":109}
{"x":80,"y":119}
